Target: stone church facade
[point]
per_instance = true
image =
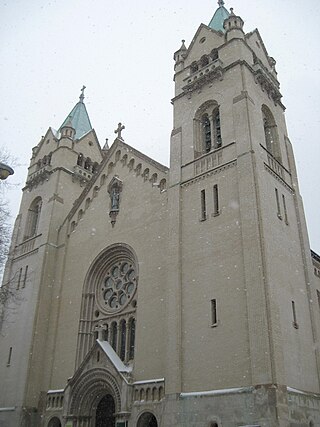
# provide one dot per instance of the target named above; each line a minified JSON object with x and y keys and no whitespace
{"x":155,"y":296}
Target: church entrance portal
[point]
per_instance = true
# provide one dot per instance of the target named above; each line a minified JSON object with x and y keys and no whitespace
{"x":147,"y":420}
{"x":105,"y":412}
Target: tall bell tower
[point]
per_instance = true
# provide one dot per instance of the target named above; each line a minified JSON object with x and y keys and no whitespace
{"x":61,"y":164}
{"x":243,"y":293}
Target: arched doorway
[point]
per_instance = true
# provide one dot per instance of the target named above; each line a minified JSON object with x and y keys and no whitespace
{"x":105,"y":412}
{"x":147,"y":420}
{"x":54,"y":422}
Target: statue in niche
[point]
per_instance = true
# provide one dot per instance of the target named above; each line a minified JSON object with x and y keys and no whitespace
{"x":114,"y":190}
{"x":115,"y":197}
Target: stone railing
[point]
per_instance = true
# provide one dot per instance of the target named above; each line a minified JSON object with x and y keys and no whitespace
{"x":54,"y":400}
{"x":149,"y":391}
{"x":39,"y":176}
{"x":209,"y":161}
{"x":26,"y":246}
{"x":276,"y":167}
{"x":81,"y":174}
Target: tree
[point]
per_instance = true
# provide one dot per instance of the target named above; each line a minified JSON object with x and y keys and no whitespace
{"x":7,"y":293}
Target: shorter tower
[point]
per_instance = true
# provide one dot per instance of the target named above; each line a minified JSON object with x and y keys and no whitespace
{"x":61,"y":164}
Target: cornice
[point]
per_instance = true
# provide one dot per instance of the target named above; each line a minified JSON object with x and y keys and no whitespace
{"x":209,"y":173}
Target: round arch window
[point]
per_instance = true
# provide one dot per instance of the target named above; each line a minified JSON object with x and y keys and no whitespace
{"x":115,"y":279}
{"x":118,"y":286}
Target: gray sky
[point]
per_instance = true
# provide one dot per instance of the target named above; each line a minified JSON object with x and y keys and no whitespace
{"x":123,"y":52}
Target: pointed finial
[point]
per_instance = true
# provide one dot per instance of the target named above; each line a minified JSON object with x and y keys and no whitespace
{"x":231,"y":11}
{"x":183,"y":46}
{"x":82,"y":94}
{"x":221,"y":3}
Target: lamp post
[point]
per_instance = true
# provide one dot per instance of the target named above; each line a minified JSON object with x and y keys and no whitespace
{"x":5,"y":171}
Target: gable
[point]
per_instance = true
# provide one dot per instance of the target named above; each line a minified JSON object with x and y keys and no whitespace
{"x":126,"y":163}
{"x":88,"y":145}
{"x":47,"y":144}
{"x":255,"y":42}
{"x":202,"y":43}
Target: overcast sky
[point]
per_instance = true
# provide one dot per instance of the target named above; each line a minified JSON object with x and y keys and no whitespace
{"x":123,"y":52}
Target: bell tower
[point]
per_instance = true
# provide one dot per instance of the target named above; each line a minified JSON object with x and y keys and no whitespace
{"x":239,"y":220}
{"x":61,"y":164}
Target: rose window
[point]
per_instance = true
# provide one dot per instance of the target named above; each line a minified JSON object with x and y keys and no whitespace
{"x":118,"y":286}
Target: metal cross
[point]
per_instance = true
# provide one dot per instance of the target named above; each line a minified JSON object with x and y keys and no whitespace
{"x":82,"y":93}
{"x":119,"y":130}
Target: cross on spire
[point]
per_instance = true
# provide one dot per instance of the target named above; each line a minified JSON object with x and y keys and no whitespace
{"x":82,"y":94}
{"x":119,"y":130}
{"x":220,"y":3}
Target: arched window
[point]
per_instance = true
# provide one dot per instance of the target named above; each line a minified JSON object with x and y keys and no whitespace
{"x":217,"y":129}
{"x":163,"y":184}
{"x":88,"y":164}
{"x":80,"y":160}
{"x":270,"y":133}
{"x":95,"y":167}
{"x":33,"y":218}
{"x":146,"y":174}
{"x":214,"y":54}
{"x":123,"y":334}
{"x":114,"y":335}
{"x":113,"y":280}
{"x":204,"y":61}
{"x":88,"y":201}
{"x":207,"y":128}
{"x":194,"y":67}
{"x":154,"y":178}
{"x":106,"y":333}
{"x":131,"y":164}
{"x":132,"y":337}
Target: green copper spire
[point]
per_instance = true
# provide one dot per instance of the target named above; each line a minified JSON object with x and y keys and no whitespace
{"x":219,"y":16}
{"x":79,"y":118}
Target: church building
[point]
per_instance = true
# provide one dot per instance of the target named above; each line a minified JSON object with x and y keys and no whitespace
{"x":151,"y":296}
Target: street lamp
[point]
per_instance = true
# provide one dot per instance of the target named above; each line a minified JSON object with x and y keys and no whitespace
{"x":5,"y":171}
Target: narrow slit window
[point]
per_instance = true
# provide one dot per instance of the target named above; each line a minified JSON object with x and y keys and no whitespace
{"x":215,"y":200}
{"x":25,"y":277}
{"x":114,"y":336}
{"x":217,"y":126}
{"x":206,"y":133}
{"x":285,"y":209}
{"x":19,"y":279}
{"x":123,"y":335}
{"x":9,"y":357}
{"x":318,"y":296}
{"x":278,"y":204}
{"x":214,"y":317}
{"x":203,"y":205}
{"x":294,"y":315}
{"x":132,"y":333}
